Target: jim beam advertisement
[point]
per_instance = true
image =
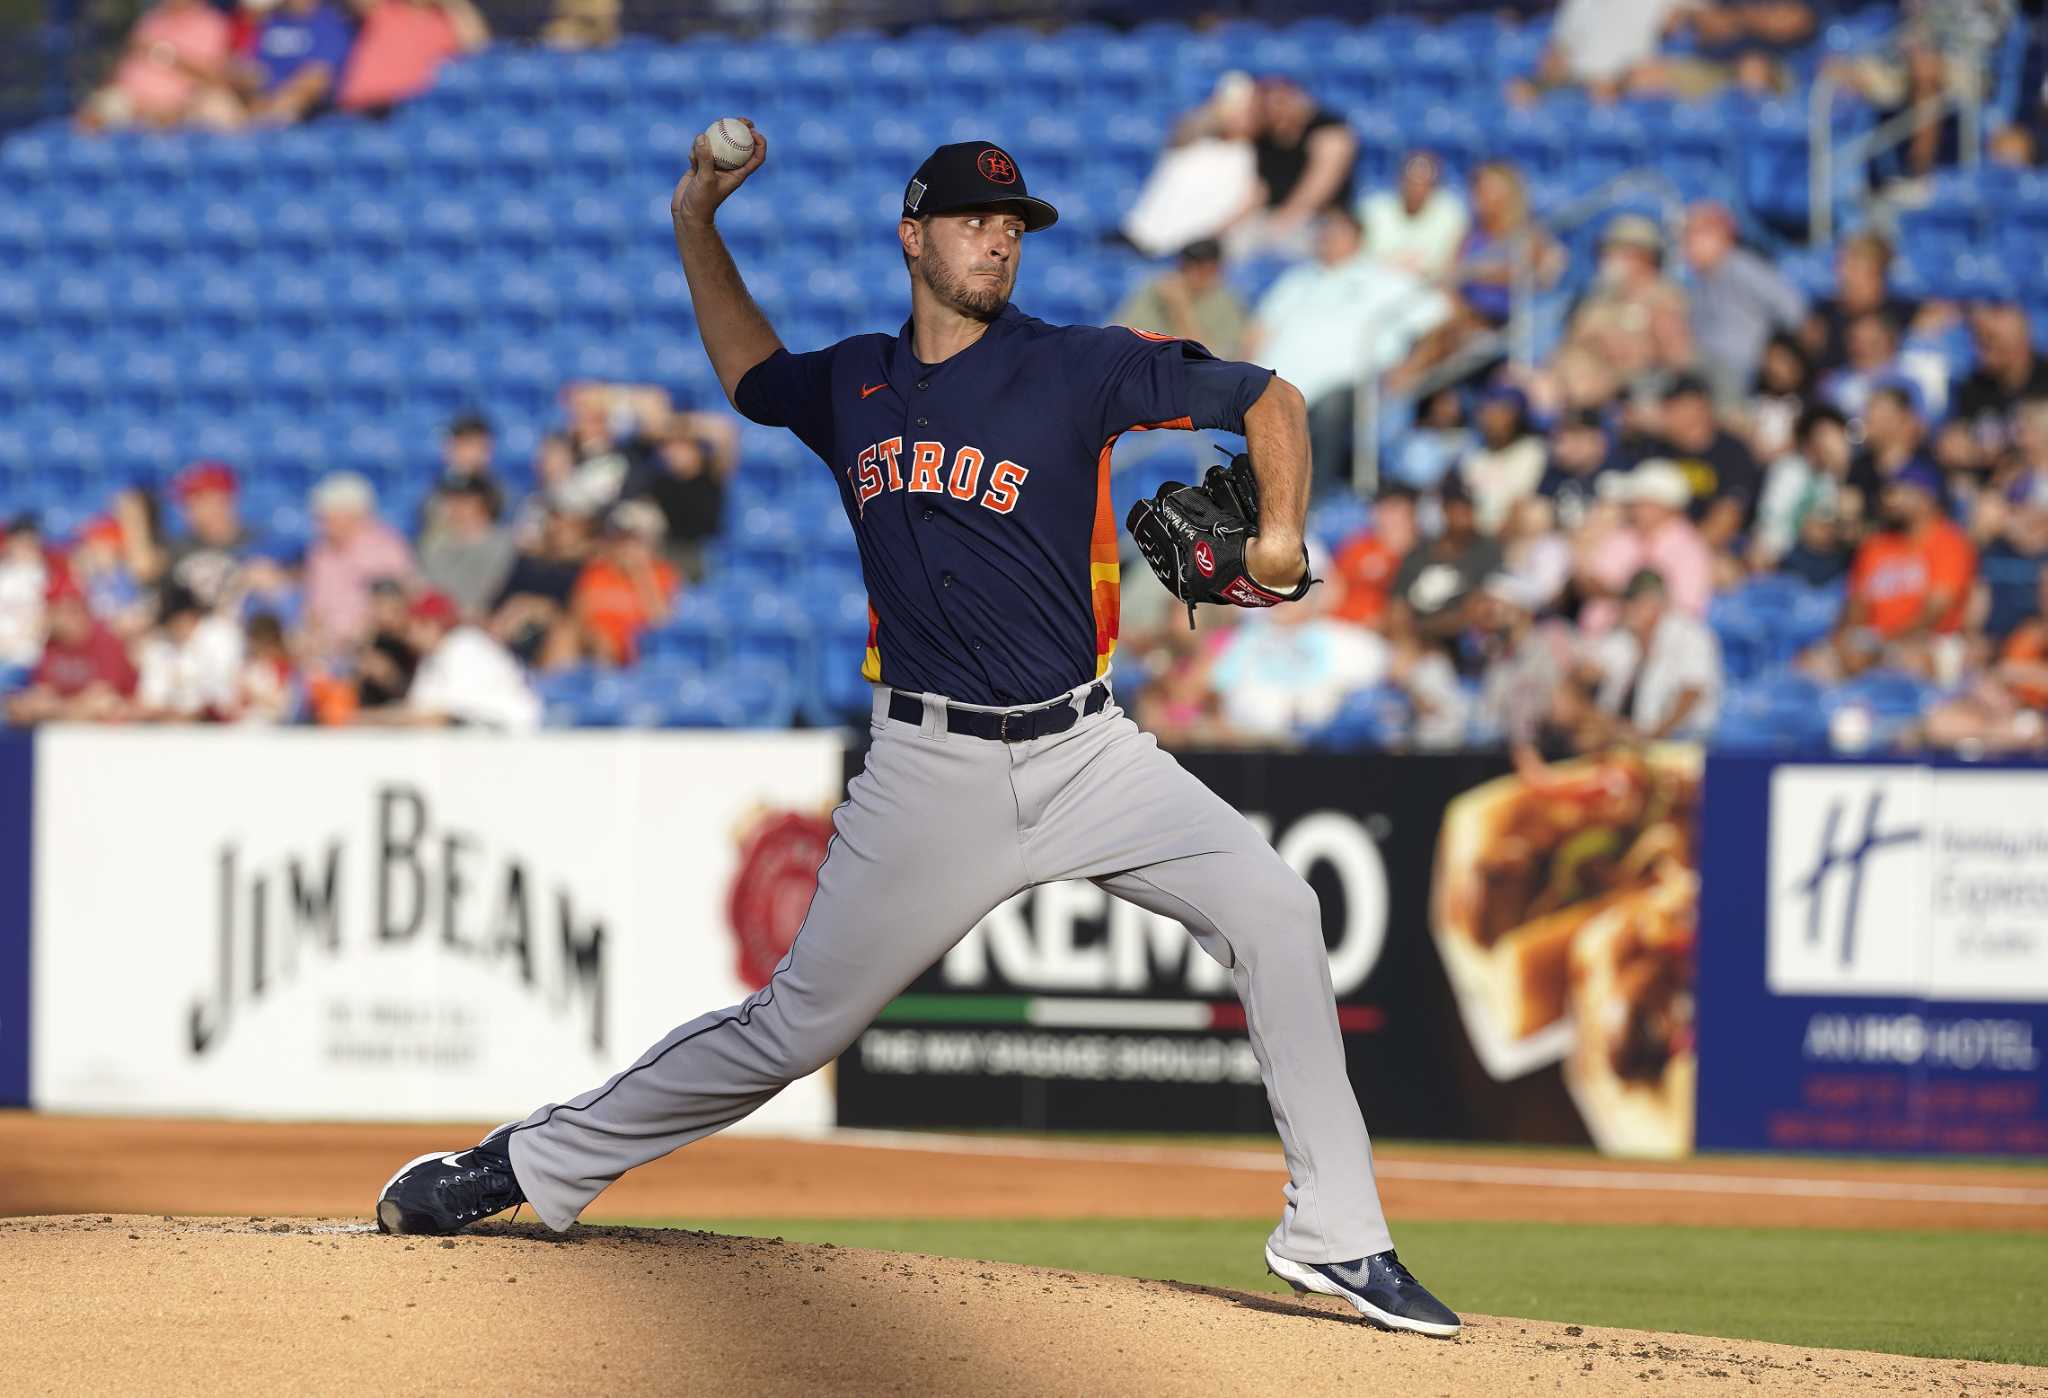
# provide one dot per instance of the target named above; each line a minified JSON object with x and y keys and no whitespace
{"x":1511,"y":954}
{"x":389,"y":926}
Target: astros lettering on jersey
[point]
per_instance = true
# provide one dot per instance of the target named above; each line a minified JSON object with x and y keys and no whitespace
{"x":979,"y":492}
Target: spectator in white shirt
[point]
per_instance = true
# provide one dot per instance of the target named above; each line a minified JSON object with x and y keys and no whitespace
{"x":465,"y":676}
{"x":24,"y":582}
{"x":1660,"y":670}
{"x":1326,"y":324}
{"x":1509,"y":460}
{"x":191,"y":666}
{"x":1418,"y":225}
{"x":1206,"y":177}
{"x":1600,"y":45}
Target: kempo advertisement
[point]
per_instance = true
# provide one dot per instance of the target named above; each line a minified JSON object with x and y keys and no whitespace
{"x":1512,"y":957}
{"x":383,"y":926}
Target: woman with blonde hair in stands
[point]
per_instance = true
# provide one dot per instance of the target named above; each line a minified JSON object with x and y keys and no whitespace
{"x":1502,"y":245}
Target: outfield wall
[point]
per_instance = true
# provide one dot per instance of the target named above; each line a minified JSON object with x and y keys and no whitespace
{"x":379,"y":926}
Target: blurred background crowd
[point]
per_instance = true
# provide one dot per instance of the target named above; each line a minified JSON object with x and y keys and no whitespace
{"x":1674,"y":366}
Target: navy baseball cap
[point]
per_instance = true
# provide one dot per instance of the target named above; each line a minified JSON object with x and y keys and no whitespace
{"x":974,"y":175}
{"x":1920,"y":476}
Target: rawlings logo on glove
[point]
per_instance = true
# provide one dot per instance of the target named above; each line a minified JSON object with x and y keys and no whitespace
{"x":1194,"y":536}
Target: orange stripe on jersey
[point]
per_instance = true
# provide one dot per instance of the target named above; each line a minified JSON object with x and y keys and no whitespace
{"x":1104,"y":574}
{"x":871,"y":663}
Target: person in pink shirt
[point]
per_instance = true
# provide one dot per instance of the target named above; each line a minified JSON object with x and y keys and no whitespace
{"x":402,"y":44}
{"x":354,"y":550}
{"x":1654,"y":533}
{"x":174,"y":71}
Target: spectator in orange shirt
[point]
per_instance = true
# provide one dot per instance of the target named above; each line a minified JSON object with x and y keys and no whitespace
{"x":1366,"y":562}
{"x":1909,"y":585}
{"x":402,"y":45}
{"x":1915,"y":574}
{"x":627,"y":587}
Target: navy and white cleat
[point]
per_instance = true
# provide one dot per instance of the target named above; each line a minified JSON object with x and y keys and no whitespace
{"x":1385,"y":1292}
{"x":447,"y":1191}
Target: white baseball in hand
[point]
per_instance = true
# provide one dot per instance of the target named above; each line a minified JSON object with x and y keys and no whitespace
{"x":732,"y":143}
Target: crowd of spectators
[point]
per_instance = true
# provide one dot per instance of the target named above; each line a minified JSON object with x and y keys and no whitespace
{"x":1549,"y":543}
{"x":277,"y":62}
{"x":178,"y":612}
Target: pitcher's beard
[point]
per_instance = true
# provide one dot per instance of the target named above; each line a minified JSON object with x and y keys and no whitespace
{"x":972,"y":297}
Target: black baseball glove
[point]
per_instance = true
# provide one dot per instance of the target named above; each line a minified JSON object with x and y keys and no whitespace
{"x":1194,"y":536}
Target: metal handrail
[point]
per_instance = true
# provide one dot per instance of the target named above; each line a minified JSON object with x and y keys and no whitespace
{"x":1521,"y":329}
{"x":1894,"y":131}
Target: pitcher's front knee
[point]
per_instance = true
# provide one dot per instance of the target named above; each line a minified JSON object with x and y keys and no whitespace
{"x":1296,"y":906}
{"x":1284,"y":918}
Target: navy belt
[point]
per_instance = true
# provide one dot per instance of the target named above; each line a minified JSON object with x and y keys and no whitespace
{"x":1011,"y":726}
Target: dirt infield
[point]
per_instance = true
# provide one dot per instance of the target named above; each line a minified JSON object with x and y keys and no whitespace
{"x":250,"y":1305}
{"x":56,"y":1165}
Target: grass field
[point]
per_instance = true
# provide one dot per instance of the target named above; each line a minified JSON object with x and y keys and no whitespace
{"x":1944,"y":1295}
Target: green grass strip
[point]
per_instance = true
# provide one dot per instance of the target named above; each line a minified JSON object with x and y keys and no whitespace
{"x":1944,"y":1295}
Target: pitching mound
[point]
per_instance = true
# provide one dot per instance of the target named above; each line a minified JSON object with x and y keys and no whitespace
{"x":121,"y":1303}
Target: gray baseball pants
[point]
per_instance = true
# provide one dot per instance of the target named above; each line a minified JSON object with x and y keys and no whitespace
{"x":936,"y":831}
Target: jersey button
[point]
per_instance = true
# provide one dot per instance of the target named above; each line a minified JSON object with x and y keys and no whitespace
{"x":922,"y":384}
{"x":929,"y":513}
{"x":924,"y":422}
{"x":945,"y":580}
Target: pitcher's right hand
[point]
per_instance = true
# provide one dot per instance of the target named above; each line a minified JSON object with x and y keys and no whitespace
{"x":700,"y":192}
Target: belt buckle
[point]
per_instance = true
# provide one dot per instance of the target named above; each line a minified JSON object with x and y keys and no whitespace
{"x":1003,"y":726}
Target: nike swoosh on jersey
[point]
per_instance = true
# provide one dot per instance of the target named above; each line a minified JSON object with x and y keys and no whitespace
{"x":868,"y":389}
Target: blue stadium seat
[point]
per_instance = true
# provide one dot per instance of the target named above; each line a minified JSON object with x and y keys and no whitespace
{"x":90,"y":167}
{"x":19,"y":379}
{"x":693,"y":638}
{"x":80,"y":306}
{"x":28,"y":164}
{"x":83,"y":234}
{"x":1374,"y":717}
{"x":784,"y":643}
{"x":369,"y":154}
{"x":224,"y":305}
{"x":145,"y":382}
{"x":597,"y":228}
{"x":227,"y":230}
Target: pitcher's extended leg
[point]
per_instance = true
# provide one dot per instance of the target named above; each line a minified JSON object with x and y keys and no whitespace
{"x":1133,"y":820}
{"x":923,"y":848}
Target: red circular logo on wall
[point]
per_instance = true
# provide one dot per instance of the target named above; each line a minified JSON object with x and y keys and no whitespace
{"x":996,"y":166}
{"x":1205,"y":558}
{"x":771,"y":891}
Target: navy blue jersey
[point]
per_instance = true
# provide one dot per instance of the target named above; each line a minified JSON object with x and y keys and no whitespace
{"x":979,"y":491}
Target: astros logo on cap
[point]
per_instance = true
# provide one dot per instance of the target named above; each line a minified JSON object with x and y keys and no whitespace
{"x":996,"y":166}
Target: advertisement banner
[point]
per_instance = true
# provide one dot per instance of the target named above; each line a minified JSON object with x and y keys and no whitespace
{"x":404,"y":926}
{"x":1511,"y":957}
{"x":17,"y":786}
{"x":1879,"y":977}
